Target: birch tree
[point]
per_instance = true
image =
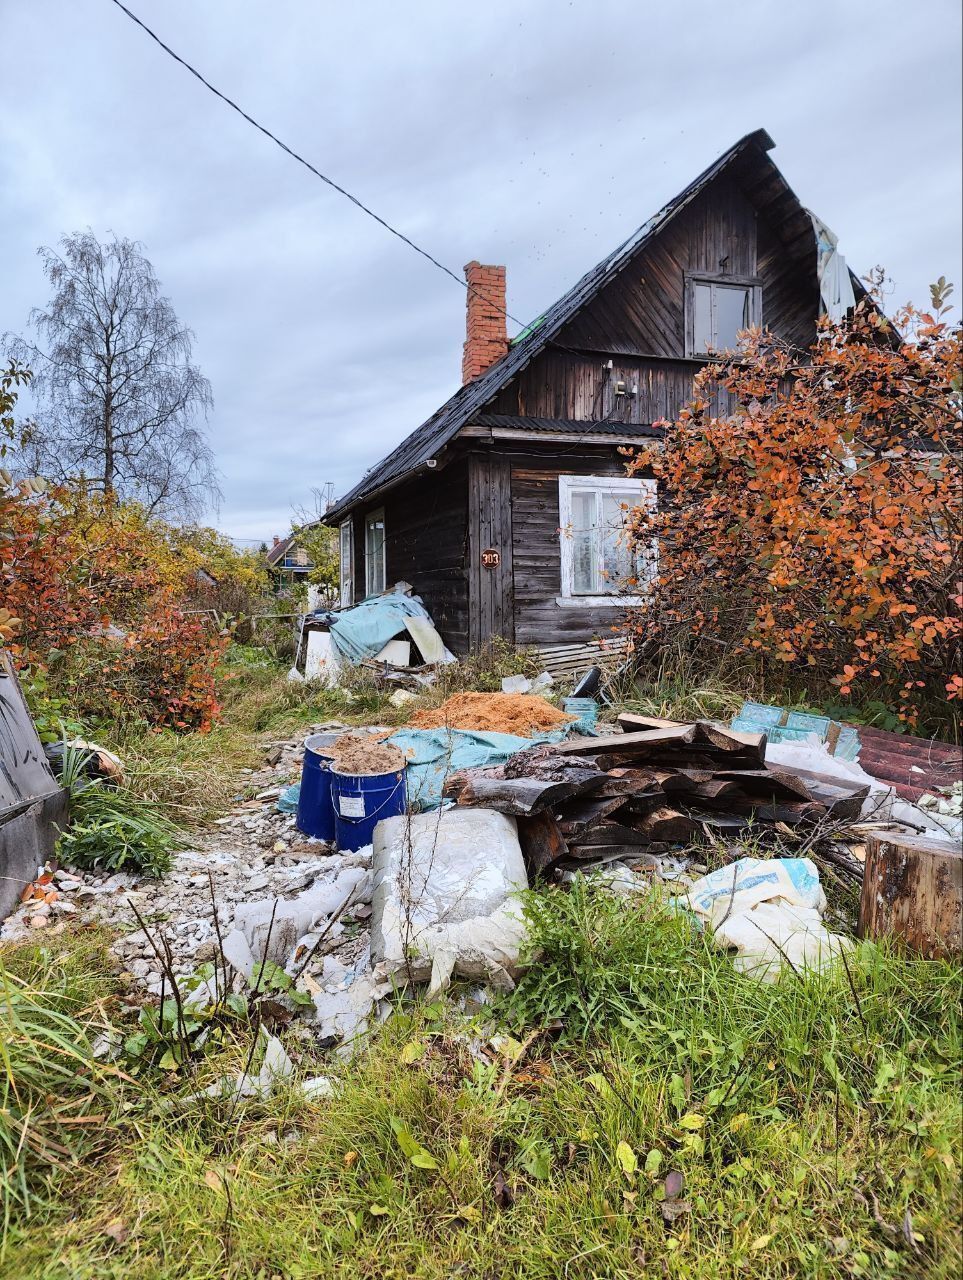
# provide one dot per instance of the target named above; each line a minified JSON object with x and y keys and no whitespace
{"x":118,"y":402}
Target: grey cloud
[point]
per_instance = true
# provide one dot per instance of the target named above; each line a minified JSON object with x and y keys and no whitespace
{"x":535,"y":134}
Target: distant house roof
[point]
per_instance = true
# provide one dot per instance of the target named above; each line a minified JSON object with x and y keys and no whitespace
{"x":276,"y":554}
{"x":768,"y":187}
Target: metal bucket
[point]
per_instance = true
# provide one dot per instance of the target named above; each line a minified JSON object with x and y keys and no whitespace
{"x":315,"y":809}
{"x":363,"y":800}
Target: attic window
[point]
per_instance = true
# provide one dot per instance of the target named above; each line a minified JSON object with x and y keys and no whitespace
{"x":717,"y":309}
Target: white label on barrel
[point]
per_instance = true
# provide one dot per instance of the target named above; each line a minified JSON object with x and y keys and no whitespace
{"x":352,"y":806}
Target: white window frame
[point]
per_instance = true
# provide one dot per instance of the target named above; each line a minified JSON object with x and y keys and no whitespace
{"x":370,"y":585}
{"x":346,"y":559}
{"x":636,"y":492}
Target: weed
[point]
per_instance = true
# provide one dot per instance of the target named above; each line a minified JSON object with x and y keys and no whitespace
{"x":115,"y":829}
{"x":50,"y":1084}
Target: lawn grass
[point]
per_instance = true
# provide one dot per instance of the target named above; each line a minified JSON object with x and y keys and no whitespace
{"x":815,"y":1123}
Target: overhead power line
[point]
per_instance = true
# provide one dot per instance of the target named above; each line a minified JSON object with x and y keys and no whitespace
{"x":312,"y":168}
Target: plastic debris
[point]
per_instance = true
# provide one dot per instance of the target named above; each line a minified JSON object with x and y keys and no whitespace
{"x":444,"y":898}
{"x":770,"y":913}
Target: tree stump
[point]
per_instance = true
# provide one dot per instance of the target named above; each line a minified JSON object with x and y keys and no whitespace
{"x":913,"y":890}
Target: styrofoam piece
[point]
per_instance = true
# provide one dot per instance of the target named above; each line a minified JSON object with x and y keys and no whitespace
{"x":396,"y":652}
{"x":321,"y":659}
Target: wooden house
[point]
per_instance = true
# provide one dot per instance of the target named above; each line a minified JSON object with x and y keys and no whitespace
{"x":504,"y":509}
{"x":287,"y":561}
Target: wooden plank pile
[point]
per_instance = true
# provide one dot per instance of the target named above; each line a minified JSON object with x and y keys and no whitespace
{"x":652,"y":785}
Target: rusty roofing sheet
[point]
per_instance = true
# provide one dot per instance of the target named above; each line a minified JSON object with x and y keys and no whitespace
{"x":914,"y":766}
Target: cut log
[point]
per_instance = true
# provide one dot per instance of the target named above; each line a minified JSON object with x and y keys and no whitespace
{"x":608,"y":833}
{"x":665,"y":823}
{"x":542,"y":843}
{"x":913,"y":890}
{"x":634,"y":782}
{"x":674,"y":742}
{"x":649,"y":742}
{"x":842,"y":799}
{"x":580,"y":816}
{"x":629,"y":722}
{"x":774,"y":784}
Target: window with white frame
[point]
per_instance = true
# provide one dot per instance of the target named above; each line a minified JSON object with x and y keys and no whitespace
{"x":346,"y":549}
{"x":600,"y":563}
{"x":374,"y":552}
{"x":717,"y":309}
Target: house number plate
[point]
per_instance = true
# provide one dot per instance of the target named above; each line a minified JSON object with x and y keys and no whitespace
{"x":491,"y":558}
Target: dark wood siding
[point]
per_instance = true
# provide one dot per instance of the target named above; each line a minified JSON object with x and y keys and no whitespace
{"x":426,"y":534}
{"x":639,"y":319}
{"x":536,"y":546}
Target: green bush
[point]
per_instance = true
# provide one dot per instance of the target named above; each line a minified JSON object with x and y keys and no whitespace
{"x":115,"y":830}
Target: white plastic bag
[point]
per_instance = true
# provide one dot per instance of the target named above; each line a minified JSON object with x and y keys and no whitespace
{"x":444,"y":898}
{"x":770,"y":912}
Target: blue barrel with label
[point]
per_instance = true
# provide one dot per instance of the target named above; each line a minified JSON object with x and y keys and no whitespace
{"x":315,"y":808}
{"x":361,"y":801}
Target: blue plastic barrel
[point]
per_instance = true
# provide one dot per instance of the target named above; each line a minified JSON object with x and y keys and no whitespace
{"x":361,"y":801}
{"x":315,"y":810}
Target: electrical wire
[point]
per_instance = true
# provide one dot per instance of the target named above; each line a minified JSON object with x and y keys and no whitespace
{"x":313,"y":169}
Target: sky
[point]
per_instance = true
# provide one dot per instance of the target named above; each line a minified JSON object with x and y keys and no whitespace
{"x":531,"y":133}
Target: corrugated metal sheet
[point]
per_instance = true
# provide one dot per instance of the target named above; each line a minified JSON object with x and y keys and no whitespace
{"x":914,"y":766}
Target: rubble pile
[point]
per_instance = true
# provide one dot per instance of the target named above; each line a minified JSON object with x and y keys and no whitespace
{"x":644,"y":789}
{"x":253,"y":855}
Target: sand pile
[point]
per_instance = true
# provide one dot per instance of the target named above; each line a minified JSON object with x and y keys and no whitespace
{"x":362,"y":753}
{"x":519,"y":713}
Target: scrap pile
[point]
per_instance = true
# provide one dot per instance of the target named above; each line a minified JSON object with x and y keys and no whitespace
{"x":653,"y":785}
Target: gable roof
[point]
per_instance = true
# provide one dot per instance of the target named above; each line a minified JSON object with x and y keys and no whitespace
{"x":428,"y":439}
{"x":277,"y":553}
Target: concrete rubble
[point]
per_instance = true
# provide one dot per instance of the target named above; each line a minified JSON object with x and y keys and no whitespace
{"x":259,"y":864}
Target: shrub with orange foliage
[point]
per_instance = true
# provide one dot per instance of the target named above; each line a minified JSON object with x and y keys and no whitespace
{"x":92,"y":592}
{"x":96,"y":609}
{"x":816,"y":521}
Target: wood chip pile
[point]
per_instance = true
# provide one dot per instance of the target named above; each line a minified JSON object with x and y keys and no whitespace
{"x":653,"y":785}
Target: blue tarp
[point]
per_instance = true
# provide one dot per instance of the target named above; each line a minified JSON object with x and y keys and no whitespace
{"x":364,"y":631}
{"x":432,"y":754}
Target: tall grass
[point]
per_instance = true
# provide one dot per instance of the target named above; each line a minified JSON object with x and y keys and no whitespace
{"x":813,"y":1127}
{"x":54,"y":1096}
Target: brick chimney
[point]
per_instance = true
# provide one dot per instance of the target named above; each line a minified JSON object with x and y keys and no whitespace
{"x":487,"y":335}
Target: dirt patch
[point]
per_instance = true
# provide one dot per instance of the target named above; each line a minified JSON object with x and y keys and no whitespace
{"x":361,"y":753}
{"x":519,"y":713}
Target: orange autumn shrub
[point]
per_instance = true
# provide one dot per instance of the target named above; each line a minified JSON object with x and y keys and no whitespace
{"x":94,"y":593}
{"x":810,"y":511}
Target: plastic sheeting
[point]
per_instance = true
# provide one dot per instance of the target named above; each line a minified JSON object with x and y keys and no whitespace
{"x":362,"y":632}
{"x":835,"y":285}
{"x":770,"y":913}
{"x":444,"y":899}
{"x":433,"y":754}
